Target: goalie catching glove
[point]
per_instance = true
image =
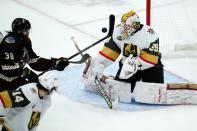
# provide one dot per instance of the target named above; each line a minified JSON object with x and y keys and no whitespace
{"x":130,"y":66}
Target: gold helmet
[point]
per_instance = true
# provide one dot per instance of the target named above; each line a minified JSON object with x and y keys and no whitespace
{"x":130,"y":22}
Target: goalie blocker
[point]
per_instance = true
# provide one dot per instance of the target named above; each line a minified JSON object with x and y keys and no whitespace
{"x":150,"y":93}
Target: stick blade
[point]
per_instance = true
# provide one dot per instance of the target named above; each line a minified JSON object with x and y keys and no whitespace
{"x":82,"y":60}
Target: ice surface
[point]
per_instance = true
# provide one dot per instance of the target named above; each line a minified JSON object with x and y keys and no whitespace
{"x":55,"y":21}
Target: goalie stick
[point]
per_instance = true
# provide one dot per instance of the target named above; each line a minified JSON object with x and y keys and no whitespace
{"x":111,"y":29}
{"x":103,"y":93}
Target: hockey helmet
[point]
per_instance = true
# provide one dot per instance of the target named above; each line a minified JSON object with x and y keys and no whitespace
{"x":49,"y":80}
{"x":130,"y":22}
{"x":20,"y":25}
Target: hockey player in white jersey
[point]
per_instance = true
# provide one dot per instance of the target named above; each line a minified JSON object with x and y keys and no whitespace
{"x":140,"y":74}
{"x":22,"y":109}
{"x":139,"y":46}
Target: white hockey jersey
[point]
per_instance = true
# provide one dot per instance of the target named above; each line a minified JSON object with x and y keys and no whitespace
{"x":144,"y":45}
{"x":23,"y":108}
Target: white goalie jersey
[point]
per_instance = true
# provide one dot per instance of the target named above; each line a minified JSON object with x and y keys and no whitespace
{"x":144,"y":45}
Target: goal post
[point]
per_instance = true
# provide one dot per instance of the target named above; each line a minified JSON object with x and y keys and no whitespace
{"x":175,"y":23}
{"x":148,"y":12}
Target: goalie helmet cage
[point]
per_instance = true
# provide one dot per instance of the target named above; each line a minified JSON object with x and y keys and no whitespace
{"x":175,"y":23}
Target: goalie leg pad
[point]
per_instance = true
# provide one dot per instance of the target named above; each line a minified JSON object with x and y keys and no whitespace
{"x":122,"y":89}
{"x":182,"y":94}
{"x":155,"y":93}
{"x":151,"y":93}
{"x":117,"y":90}
{"x":114,"y":90}
{"x":93,"y":68}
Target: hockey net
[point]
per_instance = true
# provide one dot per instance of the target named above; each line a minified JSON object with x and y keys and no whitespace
{"x":175,"y":22}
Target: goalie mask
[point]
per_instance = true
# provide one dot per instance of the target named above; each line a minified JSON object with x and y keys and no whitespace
{"x":130,"y":23}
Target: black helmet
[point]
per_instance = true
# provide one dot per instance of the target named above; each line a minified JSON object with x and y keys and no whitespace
{"x":19,"y":25}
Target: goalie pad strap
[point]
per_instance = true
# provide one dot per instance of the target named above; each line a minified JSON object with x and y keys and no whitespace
{"x":182,"y":86}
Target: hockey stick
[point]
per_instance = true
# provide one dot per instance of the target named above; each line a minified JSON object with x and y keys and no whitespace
{"x":103,"y":93}
{"x":82,"y":60}
{"x":76,"y":45}
{"x":111,"y":29}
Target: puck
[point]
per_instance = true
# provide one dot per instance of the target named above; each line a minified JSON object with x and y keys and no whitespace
{"x":104,"y":30}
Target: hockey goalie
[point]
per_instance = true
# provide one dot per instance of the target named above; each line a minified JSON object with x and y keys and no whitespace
{"x":140,"y":75}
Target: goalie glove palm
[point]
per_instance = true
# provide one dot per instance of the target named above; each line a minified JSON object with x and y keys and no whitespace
{"x":130,"y":67}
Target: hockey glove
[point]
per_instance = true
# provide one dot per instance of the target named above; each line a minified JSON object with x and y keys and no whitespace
{"x":130,"y":67}
{"x":60,"y":63}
